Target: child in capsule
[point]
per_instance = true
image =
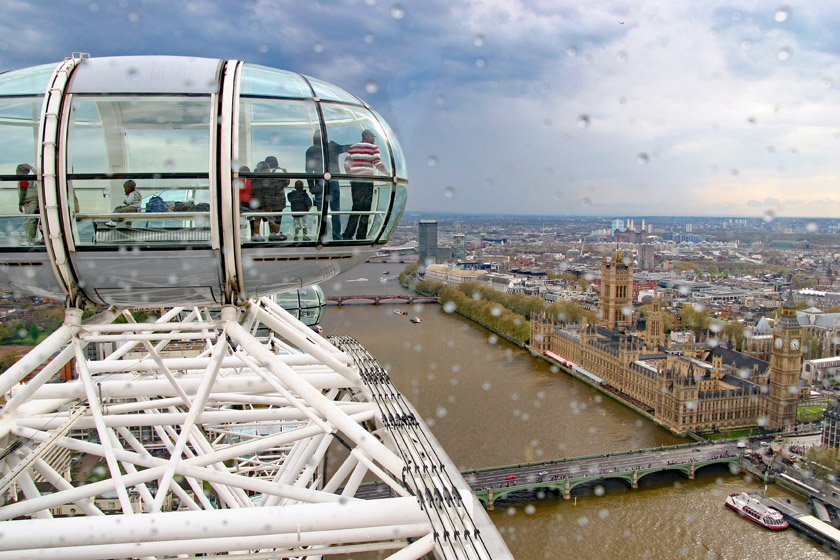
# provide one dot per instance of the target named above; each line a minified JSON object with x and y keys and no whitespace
{"x":300,"y":202}
{"x":131,"y":202}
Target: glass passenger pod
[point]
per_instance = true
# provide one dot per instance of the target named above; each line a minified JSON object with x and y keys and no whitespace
{"x":139,"y":168}
{"x":24,"y":262}
{"x":298,"y":204}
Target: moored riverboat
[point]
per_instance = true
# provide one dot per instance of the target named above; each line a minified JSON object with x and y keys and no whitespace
{"x":752,"y":508}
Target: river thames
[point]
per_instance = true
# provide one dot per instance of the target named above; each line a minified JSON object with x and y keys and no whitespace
{"x":491,"y":403}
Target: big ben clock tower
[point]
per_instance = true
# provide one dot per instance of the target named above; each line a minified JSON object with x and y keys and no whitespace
{"x":785,"y":368}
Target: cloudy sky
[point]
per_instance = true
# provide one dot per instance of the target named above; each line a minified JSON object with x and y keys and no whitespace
{"x":547,"y":107}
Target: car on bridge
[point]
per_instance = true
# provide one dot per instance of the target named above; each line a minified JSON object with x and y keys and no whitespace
{"x":510,"y":477}
{"x":543,"y":473}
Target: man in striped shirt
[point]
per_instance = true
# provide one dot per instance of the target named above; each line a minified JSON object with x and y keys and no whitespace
{"x":362,"y":159}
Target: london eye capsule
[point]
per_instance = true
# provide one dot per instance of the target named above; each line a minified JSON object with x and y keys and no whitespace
{"x":163,"y":180}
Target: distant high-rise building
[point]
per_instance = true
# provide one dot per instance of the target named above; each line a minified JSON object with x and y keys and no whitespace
{"x":459,"y":247}
{"x":646,"y":257}
{"x":428,"y":243}
{"x":631,"y":224}
{"x":688,"y":228}
{"x":617,"y":225}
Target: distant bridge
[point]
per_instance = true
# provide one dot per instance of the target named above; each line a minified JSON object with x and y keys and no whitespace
{"x":564,"y":475}
{"x":381,"y":299}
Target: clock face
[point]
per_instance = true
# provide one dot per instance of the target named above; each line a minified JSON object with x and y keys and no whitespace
{"x":794,"y":344}
{"x":779,"y":342}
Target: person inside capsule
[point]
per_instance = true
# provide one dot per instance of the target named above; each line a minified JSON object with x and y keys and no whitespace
{"x":28,"y":202}
{"x":131,"y":203}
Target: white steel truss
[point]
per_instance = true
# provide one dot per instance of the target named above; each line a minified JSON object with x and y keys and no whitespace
{"x":209,"y":435}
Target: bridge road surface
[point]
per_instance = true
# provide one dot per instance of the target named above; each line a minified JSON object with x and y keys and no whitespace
{"x":599,"y":467}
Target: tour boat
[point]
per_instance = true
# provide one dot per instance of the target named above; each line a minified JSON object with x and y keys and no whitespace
{"x":399,"y":312}
{"x":415,"y":319}
{"x":753,"y":509}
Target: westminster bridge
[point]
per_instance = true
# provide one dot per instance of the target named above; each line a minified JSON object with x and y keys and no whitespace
{"x":564,"y":475}
{"x":380,"y":299}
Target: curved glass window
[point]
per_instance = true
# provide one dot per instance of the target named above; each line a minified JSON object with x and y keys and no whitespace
{"x":345,"y":125}
{"x":329,"y":92}
{"x":21,"y":97}
{"x":400,"y":169}
{"x":306,"y":304}
{"x":270,"y":82}
{"x":29,"y":81}
{"x":138,"y":169}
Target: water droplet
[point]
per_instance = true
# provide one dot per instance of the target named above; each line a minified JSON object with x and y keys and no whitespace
{"x":397,"y":11}
{"x":263,"y":48}
{"x":486,"y":386}
{"x":583,"y":121}
{"x":621,"y":56}
{"x":318,"y":47}
{"x":370,"y":2}
{"x":449,"y":192}
{"x":440,"y":412}
{"x":480,"y":63}
{"x":449,"y":306}
{"x":571,"y":52}
{"x":440,"y":100}
{"x":784,"y":53}
{"x":478,"y":40}
{"x":642,"y":159}
{"x":133,"y":17}
{"x":746,"y":45}
{"x":547,"y":122}
{"x":432,"y":161}
{"x":782,"y":14}
{"x":599,"y":490}
{"x":811,"y":227}
{"x":371,"y":86}
{"x":368,"y":38}
{"x":583,"y":521}
{"x":586,"y":201}
{"x":713,"y":33}
{"x":751,"y":122}
{"x":94,"y":7}
{"x":734,"y":172}
{"x":549,"y":171}
{"x":769,"y":216}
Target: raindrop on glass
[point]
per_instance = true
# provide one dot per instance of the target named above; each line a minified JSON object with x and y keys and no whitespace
{"x":432,"y":161}
{"x":368,"y":38}
{"x":449,"y":191}
{"x":547,"y":122}
{"x":263,"y":48}
{"x":449,"y":306}
{"x":811,"y":227}
{"x":642,"y":159}
{"x":371,"y":86}
{"x":571,"y":52}
{"x":397,"y":11}
{"x":478,"y":40}
{"x":440,"y":100}
{"x":784,"y":53}
{"x":621,"y":56}
{"x":480,"y":63}
{"x":583,"y":121}
{"x":782,"y":14}
{"x":318,"y":47}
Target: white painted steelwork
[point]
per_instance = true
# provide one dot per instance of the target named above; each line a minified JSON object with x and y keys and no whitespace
{"x":223,"y":452}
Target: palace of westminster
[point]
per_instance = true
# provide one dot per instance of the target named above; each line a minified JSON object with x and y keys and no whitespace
{"x":688,"y":390}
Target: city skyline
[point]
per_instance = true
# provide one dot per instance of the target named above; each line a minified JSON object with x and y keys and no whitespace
{"x":714,"y":108}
